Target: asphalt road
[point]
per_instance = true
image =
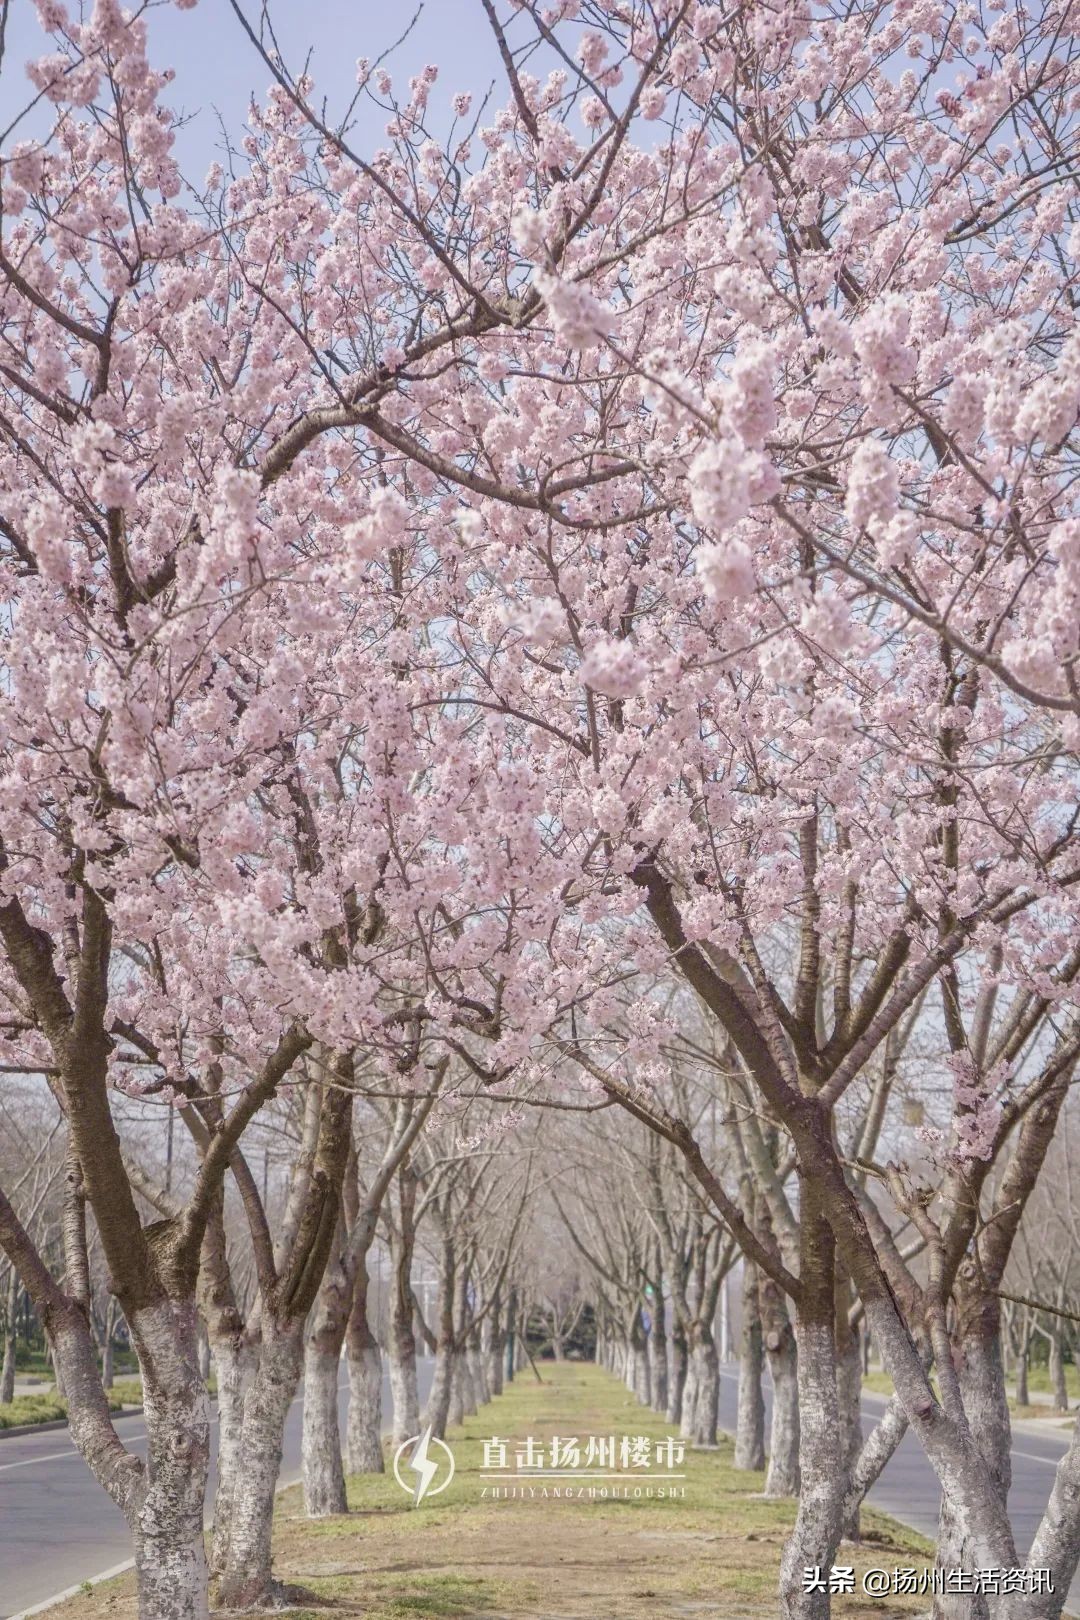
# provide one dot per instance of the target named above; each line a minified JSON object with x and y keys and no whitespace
{"x":58,"y":1527}
{"x":908,"y":1487}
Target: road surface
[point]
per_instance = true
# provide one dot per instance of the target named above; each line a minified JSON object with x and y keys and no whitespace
{"x":908,"y":1488}
{"x":57,"y":1526}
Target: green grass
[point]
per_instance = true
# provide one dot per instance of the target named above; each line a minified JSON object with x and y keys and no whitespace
{"x":31,"y":1409}
{"x":879,"y":1383}
{"x":713,"y":1552}
{"x":463,"y":1555}
{"x":1039,"y":1382}
{"x":49,"y":1408}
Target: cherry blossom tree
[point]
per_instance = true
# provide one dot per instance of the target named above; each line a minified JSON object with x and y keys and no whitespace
{"x":445,"y":586}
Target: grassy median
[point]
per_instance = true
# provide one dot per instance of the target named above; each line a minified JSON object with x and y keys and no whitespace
{"x":715,"y":1551}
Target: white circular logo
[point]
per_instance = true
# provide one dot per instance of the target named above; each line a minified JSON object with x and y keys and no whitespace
{"x":424,"y":1465}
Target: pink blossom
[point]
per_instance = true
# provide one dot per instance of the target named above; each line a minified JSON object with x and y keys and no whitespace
{"x":873,"y":486}
{"x":612,"y":667}
{"x":725,"y":568}
{"x":577,"y":315}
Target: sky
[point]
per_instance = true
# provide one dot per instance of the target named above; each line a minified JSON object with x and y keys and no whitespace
{"x":217,"y":69}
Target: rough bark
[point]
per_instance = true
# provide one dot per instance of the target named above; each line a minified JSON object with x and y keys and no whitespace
{"x":478,"y":1369}
{"x":320,"y":1446}
{"x":878,"y":1448}
{"x":689,"y":1399}
{"x":1022,"y":1396}
{"x":442,"y":1379}
{"x":819,"y":1521}
{"x":7,"y":1373}
{"x":782,"y":1478}
{"x":363,"y":1443}
{"x":818,"y":1524}
{"x":402,"y":1346}
{"x":638,"y":1379}
{"x":364,"y":1432}
{"x":246,"y":1577}
{"x":1057,"y":1370}
{"x":677,"y":1375}
{"x":981,"y":1377}
{"x":706,"y":1389}
{"x":849,"y":1399}
{"x":493,"y":1348}
{"x":166,"y":1516}
{"x":1057,"y":1540}
{"x":658,"y":1356}
{"x":439,"y":1396}
{"x":233,"y":1360}
{"x":750,"y":1414}
{"x":403,"y":1385}
{"x":456,"y":1413}
{"x":511,"y":1333}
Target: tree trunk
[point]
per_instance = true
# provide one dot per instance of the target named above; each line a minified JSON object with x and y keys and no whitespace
{"x":823,"y":1477}
{"x":233,"y":1360}
{"x":511,"y":1330}
{"x":166,"y":1515}
{"x":468,"y":1388}
{"x":1057,"y":1370}
{"x":59,"y":1389}
{"x":320,"y":1446}
{"x":981,"y":1375}
{"x":706,"y":1388}
{"x":7,"y":1374}
{"x":442,"y":1390}
{"x":658,"y":1357}
{"x":364,"y":1432}
{"x":403,"y":1386}
{"x":246,"y":1578}
{"x":689,"y":1399}
{"x":1022,"y":1396}
{"x":402,"y":1347}
{"x":956,"y":1461}
{"x":849,"y":1397}
{"x":364,"y":1435}
{"x":782,"y":1478}
{"x":638,"y":1380}
{"x":478,"y":1370}
{"x":677,"y":1375}
{"x":456,"y":1414}
{"x":750,"y":1418}
{"x":439,"y":1396}
{"x":818,"y":1524}
{"x":493,"y":1349}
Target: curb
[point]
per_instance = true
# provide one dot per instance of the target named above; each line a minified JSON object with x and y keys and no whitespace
{"x":117,"y":1569}
{"x":121,"y":1569}
{"x":74,"y":1591}
{"x":58,"y":1423}
{"x":33,"y":1428}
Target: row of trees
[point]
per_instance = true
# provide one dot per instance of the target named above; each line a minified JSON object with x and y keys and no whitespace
{"x":577,"y":599}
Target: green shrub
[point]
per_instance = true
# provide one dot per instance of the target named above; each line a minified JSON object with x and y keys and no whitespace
{"x":31,"y":1409}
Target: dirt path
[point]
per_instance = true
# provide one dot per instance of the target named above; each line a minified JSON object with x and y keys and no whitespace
{"x":559,"y":1549}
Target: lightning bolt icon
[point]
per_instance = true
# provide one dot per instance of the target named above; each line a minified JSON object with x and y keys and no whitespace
{"x":422,"y":1464}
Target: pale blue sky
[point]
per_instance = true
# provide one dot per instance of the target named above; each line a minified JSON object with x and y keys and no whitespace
{"x":217,"y":69}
